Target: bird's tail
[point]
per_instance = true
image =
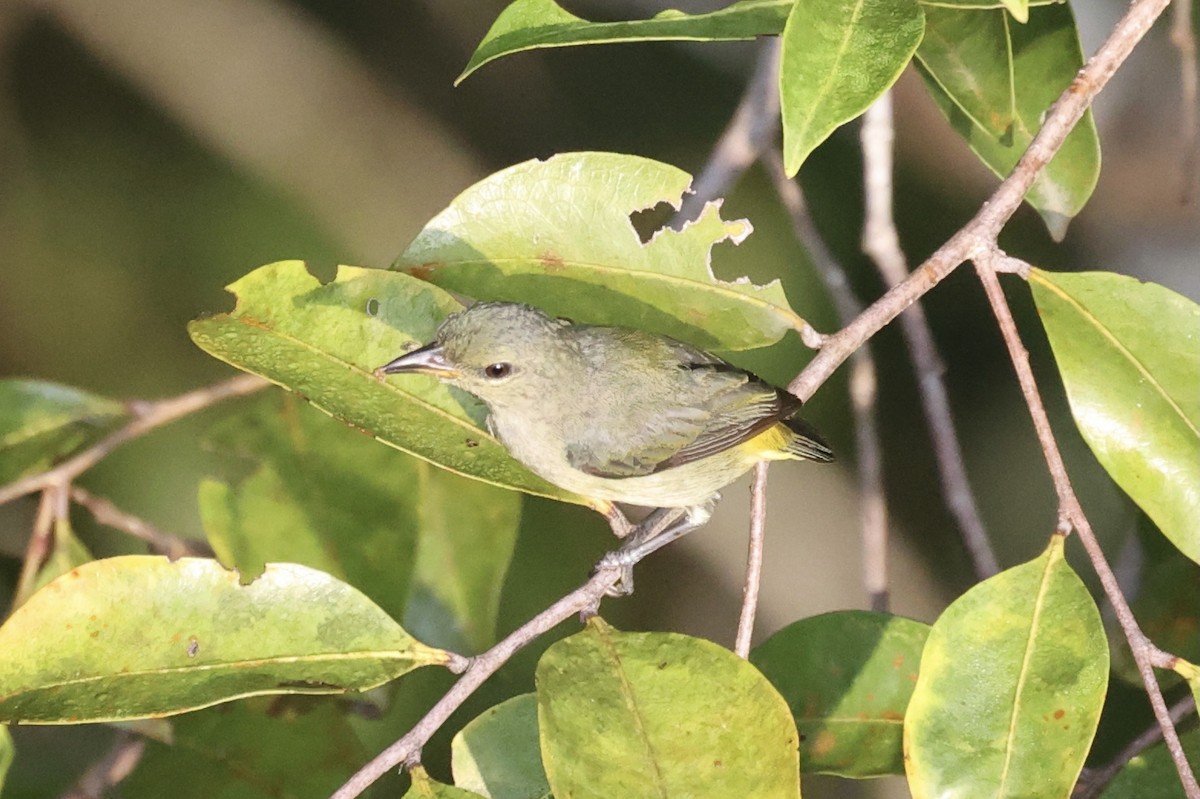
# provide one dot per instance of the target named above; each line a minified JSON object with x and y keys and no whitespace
{"x":806,"y":443}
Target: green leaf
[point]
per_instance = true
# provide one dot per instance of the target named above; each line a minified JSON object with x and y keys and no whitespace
{"x":847,"y":677}
{"x":968,"y":54}
{"x":140,"y":636}
{"x":425,"y":787}
{"x":67,"y":553}
{"x":533,"y":24}
{"x":468,"y":533}
{"x":324,"y":341}
{"x":1129,"y":359}
{"x":317,"y":493}
{"x":1151,"y":774}
{"x":41,"y":423}
{"x":7,"y":753}
{"x":498,"y":753}
{"x":837,"y":58}
{"x":1045,"y":57}
{"x":251,"y":750}
{"x":558,"y":234}
{"x":1012,"y":680}
{"x":662,"y":714}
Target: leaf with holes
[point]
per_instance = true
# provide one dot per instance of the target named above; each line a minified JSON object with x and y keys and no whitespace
{"x":323,"y":342}
{"x":558,"y":234}
{"x":967,"y":68}
{"x":1012,"y":681}
{"x":1129,"y":356}
{"x":847,"y":677}
{"x":678,"y":716}
{"x":838,"y":57}
{"x":140,"y":636}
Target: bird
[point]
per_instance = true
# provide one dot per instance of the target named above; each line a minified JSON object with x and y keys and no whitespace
{"x":614,"y":414}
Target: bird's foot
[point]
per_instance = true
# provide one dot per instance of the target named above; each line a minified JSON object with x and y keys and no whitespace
{"x":657,"y":530}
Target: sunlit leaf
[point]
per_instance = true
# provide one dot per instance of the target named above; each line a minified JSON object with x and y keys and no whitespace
{"x":678,"y":716}
{"x":41,"y":423}
{"x":847,"y":677}
{"x":138,"y":636}
{"x":838,"y":57}
{"x":498,"y":754}
{"x":1012,"y":681}
{"x":558,"y":234}
{"x":1129,"y":355}
{"x":425,"y":787}
{"x":1045,"y":58}
{"x":323,"y":341}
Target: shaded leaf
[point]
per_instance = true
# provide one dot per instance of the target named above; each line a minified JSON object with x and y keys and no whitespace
{"x":1012,"y":680}
{"x":837,"y":58}
{"x":847,"y":677}
{"x":324,"y":341}
{"x":1045,"y":57}
{"x":139,"y":636}
{"x":41,"y":423}
{"x":498,"y":753}
{"x":468,"y":533}
{"x":425,"y":787}
{"x":679,"y":716}
{"x":317,"y":493}
{"x":1152,"y":774}
{"x":251,"y":750}
{"x":1129,"y":359}
{"x":533,"y":24}
{"x":968,"y":54}
{"x":558,"y":234}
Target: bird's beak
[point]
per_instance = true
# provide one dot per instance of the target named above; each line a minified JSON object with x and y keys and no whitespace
{"x":428,"y":360}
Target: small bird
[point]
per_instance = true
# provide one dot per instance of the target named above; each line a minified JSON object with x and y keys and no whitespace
{"x":615,"y":414}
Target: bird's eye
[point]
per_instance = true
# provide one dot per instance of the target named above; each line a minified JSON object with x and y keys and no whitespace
{"x":498,"y":370}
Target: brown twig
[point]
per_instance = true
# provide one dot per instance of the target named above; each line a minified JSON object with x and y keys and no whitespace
{"x":117,"y":764}
{"x":52,"y":507}
{"x":872,"y":507}
{"x":106,"y":513}
{"x":407,"y":750}
{"x":146,"y":417}
{"x":1184,"y":40}
{"x":980,"y":233}
{"x":881,"y":242}
{"x":1093,"y":781}
{"x":1145,"y":654}
{"x":754,"y":561}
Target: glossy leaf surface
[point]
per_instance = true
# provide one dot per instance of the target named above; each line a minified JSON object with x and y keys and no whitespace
{"x":323,"y":341}
{"x":837,"y":58}
{"x":558,"y":234}
{"x":1129,"y":355}
{"x":498,"y":753}
{"x":677,"y":716}
{"x":139,"y":636}
{"x":41,"y":423}
{"x":847,"y":677}
{"x":1012,"y":681}
{"x":1045,"y":56}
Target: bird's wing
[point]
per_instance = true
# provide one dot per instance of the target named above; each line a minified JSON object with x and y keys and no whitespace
{"x":709,"y":406}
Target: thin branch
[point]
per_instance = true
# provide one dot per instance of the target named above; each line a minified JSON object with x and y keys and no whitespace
{"x":1184,"y":39}
{"x":872,"y":508}
{"x":881,"y":242}
{"x":751,"y":130}
{"x":147,"y":416}
{"x":117,"y":764}
{"x":1097,"y":779}
{"x":106,"y":513}
{"x":980,"y":233}
{"x":1144,"y":652}
{"x":754,"y":560}
{"x":51,"y":508}
{"x":407,"y":750}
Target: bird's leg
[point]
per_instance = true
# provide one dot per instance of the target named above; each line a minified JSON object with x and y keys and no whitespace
{"x":658,"y":529}
{"x":620,"y":524}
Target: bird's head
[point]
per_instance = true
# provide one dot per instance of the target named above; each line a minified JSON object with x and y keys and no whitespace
{"x":501,"y":352}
